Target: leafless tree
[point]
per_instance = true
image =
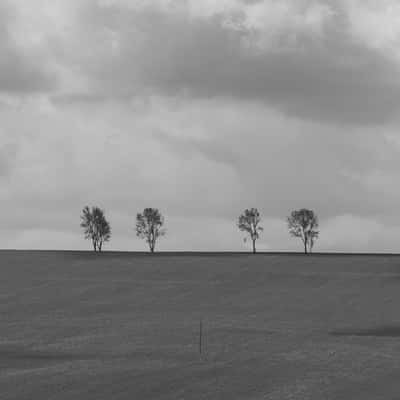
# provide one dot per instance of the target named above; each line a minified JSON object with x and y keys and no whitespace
{"x":249,"y":222}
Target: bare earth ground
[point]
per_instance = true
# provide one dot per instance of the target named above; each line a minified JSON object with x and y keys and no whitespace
{"x":125,"y":326}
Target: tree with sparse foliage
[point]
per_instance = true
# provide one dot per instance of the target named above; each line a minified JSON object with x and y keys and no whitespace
{"x":149,"y":226}
{"x":249,"y":222}
{"x":304,"y":225}
{"x":96,"y":227}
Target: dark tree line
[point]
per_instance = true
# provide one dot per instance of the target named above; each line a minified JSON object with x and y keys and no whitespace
{"x":302,"y":224}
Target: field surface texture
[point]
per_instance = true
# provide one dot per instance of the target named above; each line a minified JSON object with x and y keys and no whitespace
{"x":77,"y":325}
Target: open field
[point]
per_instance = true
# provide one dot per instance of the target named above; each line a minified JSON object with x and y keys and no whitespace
{"x":125,"y":326}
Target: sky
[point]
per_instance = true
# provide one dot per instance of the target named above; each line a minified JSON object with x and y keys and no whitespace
{"x":200,"y":108}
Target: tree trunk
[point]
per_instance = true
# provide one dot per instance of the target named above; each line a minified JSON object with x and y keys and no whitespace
{"x":94,"y":246}
{"x":305,"y":247}
{"x":254,"y":247}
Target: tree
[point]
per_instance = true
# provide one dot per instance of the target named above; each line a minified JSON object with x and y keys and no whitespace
{"x":304,"y":224}
{"x":149,"y":226}
{"x":249,"y":222}
{"x":96,"y":227}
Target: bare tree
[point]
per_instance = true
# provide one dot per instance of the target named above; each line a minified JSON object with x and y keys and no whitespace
{"x":249,"y":222}
{"x":149,"y":226}
{"x":96,"y":227}
{"x":304,"y":225}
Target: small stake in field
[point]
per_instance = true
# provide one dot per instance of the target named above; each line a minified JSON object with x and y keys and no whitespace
{"x":200,"y":335}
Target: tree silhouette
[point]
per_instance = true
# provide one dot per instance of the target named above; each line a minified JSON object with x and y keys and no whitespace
{"x":149,"y":226}
{"x":249,"y":222}
{"x":96,"y":227}
{"x":304,"y":224}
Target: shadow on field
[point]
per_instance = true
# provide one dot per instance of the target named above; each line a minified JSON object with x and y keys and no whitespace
{"x":11,"y":355}
{"x":378,"y":331}
{"x":22,"y":354}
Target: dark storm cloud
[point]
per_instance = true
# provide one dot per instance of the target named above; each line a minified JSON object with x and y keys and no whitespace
{"x":20,"y":71}
{"x":17,"y":77}
{"x":327,"y":77}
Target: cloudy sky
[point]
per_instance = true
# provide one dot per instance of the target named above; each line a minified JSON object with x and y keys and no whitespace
{"x":201,"y":108}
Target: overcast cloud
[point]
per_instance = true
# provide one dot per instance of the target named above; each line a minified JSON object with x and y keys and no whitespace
{"x":201,"y":108}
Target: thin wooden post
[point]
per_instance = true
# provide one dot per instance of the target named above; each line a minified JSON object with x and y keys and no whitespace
{"x":200,"y":335}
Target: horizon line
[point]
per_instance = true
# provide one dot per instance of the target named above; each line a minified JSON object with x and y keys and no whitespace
{"x":204,"y":252}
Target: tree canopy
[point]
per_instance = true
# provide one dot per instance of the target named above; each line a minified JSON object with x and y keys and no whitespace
{"x":149,"y":226}
{"x":303,"y":224}
{"x":96,"y":227}
{"x":249,"y":222}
